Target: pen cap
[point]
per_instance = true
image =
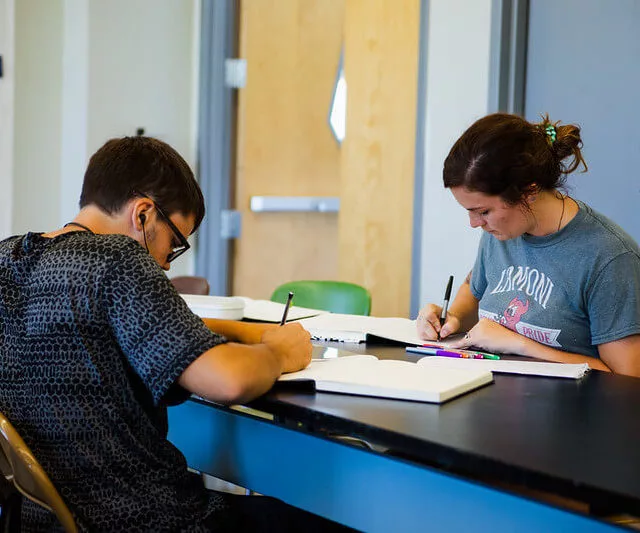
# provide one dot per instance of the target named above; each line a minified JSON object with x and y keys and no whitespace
{"x":447,"y":293}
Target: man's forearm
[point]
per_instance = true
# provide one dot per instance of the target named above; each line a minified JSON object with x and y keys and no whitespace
{"x":232,"y":373}
{"x":243,"y":332}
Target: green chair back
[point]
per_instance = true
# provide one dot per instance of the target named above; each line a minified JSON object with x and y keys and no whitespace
{"x":334,"y":296}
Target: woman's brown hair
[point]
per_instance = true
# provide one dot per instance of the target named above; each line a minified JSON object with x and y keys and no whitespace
{"x":505,"y":155}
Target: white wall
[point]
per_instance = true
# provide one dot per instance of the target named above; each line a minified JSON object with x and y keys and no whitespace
{"x":140,"y":59}
{"x":75,"y":106}
{"x":90,"y":70}
{"x":6,"y":115}
{"x":457,"y":93}
{"x":142,"y":55}
{"x":37,"y":114}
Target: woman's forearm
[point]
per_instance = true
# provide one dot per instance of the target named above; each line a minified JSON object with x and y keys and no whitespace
{"x":531,"y":348}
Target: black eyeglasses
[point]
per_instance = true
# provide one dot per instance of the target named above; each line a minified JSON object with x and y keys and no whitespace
{"x":184,"y":245}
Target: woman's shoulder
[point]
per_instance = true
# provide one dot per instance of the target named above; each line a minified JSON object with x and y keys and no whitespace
{"x":606,"y":233}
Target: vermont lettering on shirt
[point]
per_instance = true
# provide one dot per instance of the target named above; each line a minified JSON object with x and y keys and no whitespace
{"x":528,"y":280}
{"x":538,"y":287}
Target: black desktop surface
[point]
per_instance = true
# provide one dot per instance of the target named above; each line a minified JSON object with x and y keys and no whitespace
{"x":577,"y":438}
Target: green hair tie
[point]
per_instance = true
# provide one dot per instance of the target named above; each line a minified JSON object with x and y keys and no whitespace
{"x":550,"y":130}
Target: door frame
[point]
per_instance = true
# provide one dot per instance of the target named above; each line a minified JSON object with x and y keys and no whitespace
{"x":419,"y":166}
{"x":216,"y":144}
{"x":507,"y":71}
{"x":7,"y":50}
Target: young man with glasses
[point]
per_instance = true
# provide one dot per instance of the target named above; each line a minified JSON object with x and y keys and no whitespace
{"x":95,"y":343}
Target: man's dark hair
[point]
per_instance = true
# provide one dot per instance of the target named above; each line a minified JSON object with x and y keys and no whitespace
{"x":129,"y":167}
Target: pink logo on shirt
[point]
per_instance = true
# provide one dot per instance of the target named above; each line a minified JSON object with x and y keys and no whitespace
{"x":513,"y":313}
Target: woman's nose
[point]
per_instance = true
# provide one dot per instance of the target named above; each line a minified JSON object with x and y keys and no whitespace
{"x":475,"y":220}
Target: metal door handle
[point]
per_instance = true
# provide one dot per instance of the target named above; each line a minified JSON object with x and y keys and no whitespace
{"x":318,"y":204}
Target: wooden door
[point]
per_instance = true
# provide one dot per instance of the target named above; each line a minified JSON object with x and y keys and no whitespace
{"x":284,"y":144}
{"x":376,"y":213}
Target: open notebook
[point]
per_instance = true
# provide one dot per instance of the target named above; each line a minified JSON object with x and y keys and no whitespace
{"x":366,"y":375}
{"x":239,"y":307}
{"x":356,"y":328}
{"x":268,"y":311}
{"x":503,"y":366}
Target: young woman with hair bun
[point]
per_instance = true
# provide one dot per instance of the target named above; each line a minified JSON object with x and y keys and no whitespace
{"x":553,"y":278}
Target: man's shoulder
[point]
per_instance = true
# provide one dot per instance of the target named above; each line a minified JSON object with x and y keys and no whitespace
{"x":117,"y":243}
{"x":101,"y":247}
{"x":107,"y":243}
{"x":10,"y":242}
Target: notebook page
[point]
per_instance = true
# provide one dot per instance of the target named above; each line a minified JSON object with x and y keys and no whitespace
{"x":347,"y":367}
{"x":533,"y":368}
{"x":268,"y":311}
{"x":335,"y":326}
{"x":365,"y":375}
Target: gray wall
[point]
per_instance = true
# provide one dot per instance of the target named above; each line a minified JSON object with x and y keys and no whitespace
{"x":584,"y":67}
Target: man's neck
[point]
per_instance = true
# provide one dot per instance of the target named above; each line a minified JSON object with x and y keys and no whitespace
{"x":96,"y":220}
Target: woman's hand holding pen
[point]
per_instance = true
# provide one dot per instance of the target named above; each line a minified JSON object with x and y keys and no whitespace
{"x":428,"y":323}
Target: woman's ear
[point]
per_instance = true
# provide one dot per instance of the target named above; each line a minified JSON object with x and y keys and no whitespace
{"x":531,"y":193}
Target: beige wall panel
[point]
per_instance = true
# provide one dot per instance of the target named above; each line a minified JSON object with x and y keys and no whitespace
{"x":376,"y":215}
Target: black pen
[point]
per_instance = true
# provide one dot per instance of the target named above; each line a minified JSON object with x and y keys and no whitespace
{"x":286,"y":308}
{"x":445,"y":305}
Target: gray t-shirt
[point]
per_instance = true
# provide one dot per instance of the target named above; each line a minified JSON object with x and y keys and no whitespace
{"x":571,"y":290}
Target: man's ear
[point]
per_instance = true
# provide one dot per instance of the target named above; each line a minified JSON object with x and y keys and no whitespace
{"x":140,"y":212}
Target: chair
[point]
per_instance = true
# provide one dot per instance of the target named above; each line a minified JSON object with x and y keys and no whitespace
{"x":21,"y":467}
{"x":334,"y":296}
{"x":10,"y":499}
{"x":191,"y":285}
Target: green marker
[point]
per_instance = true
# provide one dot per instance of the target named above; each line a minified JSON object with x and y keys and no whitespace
{"x":488,"y":355}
